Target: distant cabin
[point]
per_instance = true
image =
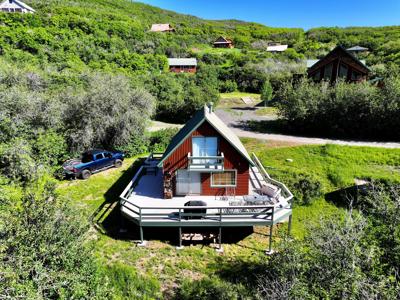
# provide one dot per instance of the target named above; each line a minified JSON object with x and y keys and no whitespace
{"x":222,"y":42}
{"x":276,"y":47}
{"x":182,"y":65}
{"x":162,"y":28}
{"x":16,"y":6}
{"x":339,"y":63}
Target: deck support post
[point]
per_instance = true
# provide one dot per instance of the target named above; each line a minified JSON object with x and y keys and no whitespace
{"x":270,"y":251}
{"x":180,"y":247}
{"x":290,"y":225}
{"x":122,"y":228}
{"x":142,"y":241}
{"x":220,"y":248}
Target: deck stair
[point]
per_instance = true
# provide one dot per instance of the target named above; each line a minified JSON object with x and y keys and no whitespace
{"x":257,"y":179}
{"x":150,"y":166}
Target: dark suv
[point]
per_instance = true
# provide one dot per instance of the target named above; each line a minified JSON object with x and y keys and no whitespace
{"x":92,"y":161}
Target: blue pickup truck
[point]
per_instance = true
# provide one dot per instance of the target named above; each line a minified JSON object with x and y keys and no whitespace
{"x":92,"y":161}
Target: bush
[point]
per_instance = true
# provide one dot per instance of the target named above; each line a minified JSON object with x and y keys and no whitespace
{"x":50,"y":148}
{"x":108,"y":114}
{"x":228,"y":86}
{"x":160,"y":139}
{"x":336,"y":260}
{"x":136,"y":145}
{"x":44,"y":252}
{"x":305,"y":188}
{"x":17,"y":162}
{"x":343,"y":110}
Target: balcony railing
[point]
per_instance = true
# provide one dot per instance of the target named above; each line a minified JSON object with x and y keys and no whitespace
{"x":206,"y":163}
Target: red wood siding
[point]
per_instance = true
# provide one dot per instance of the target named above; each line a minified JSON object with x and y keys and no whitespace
{"x":233,"y":161}
{"x":183,"y":69}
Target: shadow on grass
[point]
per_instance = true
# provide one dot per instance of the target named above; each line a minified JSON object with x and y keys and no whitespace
{"x":107,"y":216}
{"x":348,"y":197}
{"x":266,"y":126}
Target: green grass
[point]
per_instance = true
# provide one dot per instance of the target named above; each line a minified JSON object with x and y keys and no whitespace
{"x":267,"y":111}
{"x":163,"y":268}
{"x":233,"y":99}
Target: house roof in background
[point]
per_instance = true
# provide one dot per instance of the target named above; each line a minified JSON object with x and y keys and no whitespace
{"x":19,"y":3}
{"x":277,"y":48}
{"x":311,"y":63}
{"x":205,"y":115}
{"x":182,"y":61}
{"x":161,"y":27}
{"x":222,"y":40}
{"x":357,"y":48}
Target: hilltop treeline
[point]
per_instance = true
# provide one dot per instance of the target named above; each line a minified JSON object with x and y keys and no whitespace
{"x":112,"y":36}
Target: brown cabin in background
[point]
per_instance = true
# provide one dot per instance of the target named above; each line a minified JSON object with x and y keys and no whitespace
{"x":339,"y":63}
{"x":222,"y":42}
{"x":182,"y":65}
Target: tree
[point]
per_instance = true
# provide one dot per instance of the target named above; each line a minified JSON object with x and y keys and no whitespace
{"x":267,"y":92}
{"x":107,"y":114}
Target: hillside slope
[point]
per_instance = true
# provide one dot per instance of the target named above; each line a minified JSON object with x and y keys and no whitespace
{"x":106,"y":33}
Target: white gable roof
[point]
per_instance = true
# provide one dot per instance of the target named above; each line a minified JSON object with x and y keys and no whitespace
{"x":160,"y":27}
{"x":182,"y":61}
{"x":277,"y":48}
{"x":13,"y":4}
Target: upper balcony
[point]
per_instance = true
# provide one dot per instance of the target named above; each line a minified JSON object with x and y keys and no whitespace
{"x":206,"y":163}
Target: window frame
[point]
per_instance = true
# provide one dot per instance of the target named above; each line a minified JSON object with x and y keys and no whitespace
{"x":206,"y":137}
{"x":95,"y":157}
{"x":223,"y":185}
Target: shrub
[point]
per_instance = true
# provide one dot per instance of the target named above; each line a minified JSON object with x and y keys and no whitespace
{"x":336,"y":260}
{"x":50,"y":148}
{"x":136,"y":145}
{"x":108,"y":114}
{"x":17,"y":162}
{"x":304,"y":187}
{"x":160,"y":139}
{"x":44,"y":253}
{"x":342,"y":110}
{"x":227,"y":86}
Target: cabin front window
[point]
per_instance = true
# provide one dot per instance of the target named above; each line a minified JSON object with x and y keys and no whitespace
{"x":343,"y":71}
{"x":204,"y":147}
{"x":223,"y":179}
{"x":328,"y":72}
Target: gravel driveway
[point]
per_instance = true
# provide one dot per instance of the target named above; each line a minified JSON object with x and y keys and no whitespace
{"x":236,"y":117}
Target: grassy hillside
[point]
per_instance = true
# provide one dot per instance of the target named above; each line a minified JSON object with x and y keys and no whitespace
{"x":113,"y":35}
{"x":161,"y":270}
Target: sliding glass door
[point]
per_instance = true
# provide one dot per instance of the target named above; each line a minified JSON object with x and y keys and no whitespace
{"x":204,"y":146}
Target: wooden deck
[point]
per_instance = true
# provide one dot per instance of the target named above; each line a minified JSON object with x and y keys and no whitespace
{"x":142,"y":202}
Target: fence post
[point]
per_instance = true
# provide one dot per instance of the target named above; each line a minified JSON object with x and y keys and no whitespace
{"x":269,"y":252}
{"x":142,"y":242}
{"x":220,"y":249}
{"x":180,"y":231}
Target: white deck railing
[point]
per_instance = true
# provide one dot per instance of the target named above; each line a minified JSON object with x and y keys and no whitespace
{"x":217,"y":214}
{"x":287,"y":194}
{"x":206,"y":163}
